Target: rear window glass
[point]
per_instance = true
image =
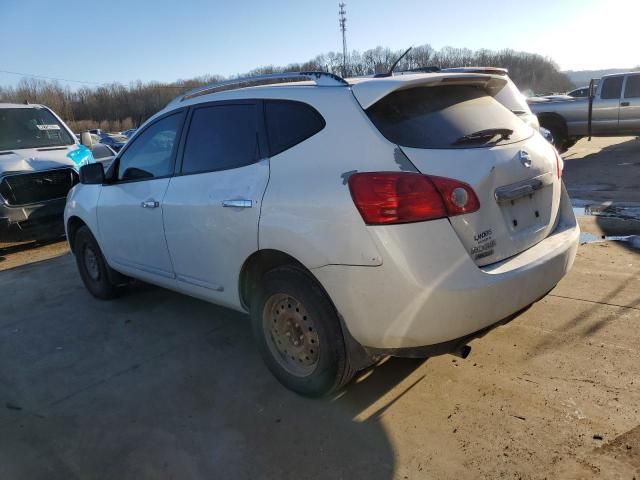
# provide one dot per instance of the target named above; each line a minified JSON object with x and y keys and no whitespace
{"x":221,"y":137}
{"x":511,"y":98}
{"x":444,"y":117}
{"x":289,"y":123}
{"x":31,"y":128}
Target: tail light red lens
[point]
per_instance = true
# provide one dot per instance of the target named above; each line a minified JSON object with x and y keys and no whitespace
{"x":559,"y":164}
{"x":400,"y":197}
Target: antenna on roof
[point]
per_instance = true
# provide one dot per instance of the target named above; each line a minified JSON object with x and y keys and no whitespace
{"x":395,"y":64}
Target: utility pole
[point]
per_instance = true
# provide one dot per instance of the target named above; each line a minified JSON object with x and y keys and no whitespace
{"x":343,"y":28}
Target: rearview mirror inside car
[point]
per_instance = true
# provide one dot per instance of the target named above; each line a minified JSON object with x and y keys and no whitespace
{"x":85,"y":139}
{"x":92,"y":174}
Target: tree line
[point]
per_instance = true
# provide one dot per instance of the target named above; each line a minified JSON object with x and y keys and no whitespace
{"x":116,"y":107}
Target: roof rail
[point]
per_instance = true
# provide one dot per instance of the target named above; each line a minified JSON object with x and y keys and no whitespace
{"x":322,"y":79}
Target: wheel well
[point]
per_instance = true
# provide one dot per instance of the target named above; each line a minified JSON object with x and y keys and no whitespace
{"x":73,"y":225}
{"x":256,"y":266}
{"x":553,"y":120}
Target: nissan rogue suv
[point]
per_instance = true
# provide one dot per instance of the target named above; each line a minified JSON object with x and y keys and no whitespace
{"x":350,"y":218}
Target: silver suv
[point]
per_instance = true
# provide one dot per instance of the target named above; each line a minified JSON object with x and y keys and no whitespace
{"x":350,"y":218}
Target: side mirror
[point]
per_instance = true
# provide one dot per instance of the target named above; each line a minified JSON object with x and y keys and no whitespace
{"x":85,"y":139}
{"x":92,"y":174}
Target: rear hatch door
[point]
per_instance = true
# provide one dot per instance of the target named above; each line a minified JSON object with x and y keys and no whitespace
{"x":456,"y":129}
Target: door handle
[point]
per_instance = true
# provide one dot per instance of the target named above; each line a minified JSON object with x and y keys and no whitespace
{"x":625,"y":104}
{"x":240,"y":203}
{"x":150,"y":204}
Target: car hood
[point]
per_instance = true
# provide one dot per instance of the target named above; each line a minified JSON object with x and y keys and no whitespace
{"x":38,"y":159}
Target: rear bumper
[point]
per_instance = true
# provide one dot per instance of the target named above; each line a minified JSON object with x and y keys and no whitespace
{"x":31,"y":221}
{"x":429,"y":291}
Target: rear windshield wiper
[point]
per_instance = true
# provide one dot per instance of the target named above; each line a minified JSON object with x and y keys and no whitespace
{"x":486,"y":135}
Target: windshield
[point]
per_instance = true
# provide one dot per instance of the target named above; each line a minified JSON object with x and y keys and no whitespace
{"x":31,"y":128}
{"x":452,"y":116}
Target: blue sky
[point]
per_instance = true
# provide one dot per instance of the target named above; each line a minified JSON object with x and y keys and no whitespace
{"x":166,"y":40}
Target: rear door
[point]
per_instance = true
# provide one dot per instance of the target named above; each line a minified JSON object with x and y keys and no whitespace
{"x":606,"y":106}
{"x":212,"y":207}
{"x":512,"y":172}
{"x":629,"y":118}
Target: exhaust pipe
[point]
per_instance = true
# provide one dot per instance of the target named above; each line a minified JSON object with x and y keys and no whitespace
{"x":462,"y":351}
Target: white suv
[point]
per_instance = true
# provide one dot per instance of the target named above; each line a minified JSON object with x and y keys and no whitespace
{"x":351,"y":218}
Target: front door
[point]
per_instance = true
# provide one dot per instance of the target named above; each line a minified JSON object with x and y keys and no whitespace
{"x":129,"y":212}
{"x":212,"y":208}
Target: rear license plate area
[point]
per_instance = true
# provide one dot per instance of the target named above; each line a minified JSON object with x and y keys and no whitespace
{"x":525,"y":213}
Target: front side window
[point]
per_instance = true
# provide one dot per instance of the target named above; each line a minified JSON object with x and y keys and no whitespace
{"x":34,"y":127}
{"x":221,"y":137}
{"x":151,"y":153}
{"x":632,"y":90}
{"x":611,"y":88}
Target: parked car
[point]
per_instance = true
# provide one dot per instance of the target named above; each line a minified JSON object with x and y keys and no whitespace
{"x":615,"y":111}
{"x":129,"y":133}
{"x":39,"y":162}
{"x":116,"y":142}
{"x":351,"y":218}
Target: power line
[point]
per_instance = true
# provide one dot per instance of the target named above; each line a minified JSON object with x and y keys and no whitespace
{"x":79,"y":81}
{"x":343,"y":28}
{"x":49,"y":78}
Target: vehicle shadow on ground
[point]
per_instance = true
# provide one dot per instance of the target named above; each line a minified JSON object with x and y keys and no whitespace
{"x":610,"y":173}
{"x":582,"y":326}
{"x":160,"y":385}
{"x":11,"y":248}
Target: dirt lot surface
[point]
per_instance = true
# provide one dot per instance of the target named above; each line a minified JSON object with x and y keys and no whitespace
{"x":158,"y":385}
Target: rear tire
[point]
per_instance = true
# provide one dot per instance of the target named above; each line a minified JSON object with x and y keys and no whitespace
{"x":95,"y":273}
{"x":298,"y":333}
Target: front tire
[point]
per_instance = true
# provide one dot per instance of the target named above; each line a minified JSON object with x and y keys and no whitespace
{"x":94,"y":271}
{"x":299,"y":334}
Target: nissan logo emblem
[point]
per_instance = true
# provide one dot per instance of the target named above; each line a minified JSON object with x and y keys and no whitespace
{"x":525,"y":158}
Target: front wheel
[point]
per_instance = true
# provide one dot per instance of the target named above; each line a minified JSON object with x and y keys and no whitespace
{"x":95,"y":273}
{"x":299,"y":334}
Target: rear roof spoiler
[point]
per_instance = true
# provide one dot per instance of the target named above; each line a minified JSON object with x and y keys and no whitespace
{"x":368,"y":92}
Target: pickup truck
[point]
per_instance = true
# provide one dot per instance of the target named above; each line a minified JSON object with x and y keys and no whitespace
{"x":39,"y":162}
{"x":615,"y":111}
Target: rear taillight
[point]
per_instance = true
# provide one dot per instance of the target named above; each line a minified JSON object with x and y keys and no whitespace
{"x":559,"y":163}
{"x":399,"y":197}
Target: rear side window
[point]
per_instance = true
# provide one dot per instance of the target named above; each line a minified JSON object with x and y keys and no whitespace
{"x":221,"y":137}
{"x":611,"y":88}
{"x":632,"y":90}
{"x":448,"y":116}
{"x":289,"y":123}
